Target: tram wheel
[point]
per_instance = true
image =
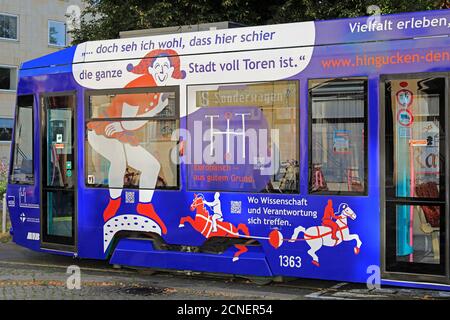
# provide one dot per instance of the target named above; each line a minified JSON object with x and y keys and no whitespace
{"x":146,"y":271}
{"x":260,"y":281}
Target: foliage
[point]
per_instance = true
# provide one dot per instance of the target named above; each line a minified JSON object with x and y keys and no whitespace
{"x":104,"y":19}
{"x":3,"y":182}
{"x":300,"y":10}
{"x":3,"y":178}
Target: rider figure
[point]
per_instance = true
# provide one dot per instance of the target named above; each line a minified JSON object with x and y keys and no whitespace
{"x":327,"y":220}
{"x":216,"y":206}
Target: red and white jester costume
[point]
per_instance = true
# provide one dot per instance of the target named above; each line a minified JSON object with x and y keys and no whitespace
{"x":117,"y":140}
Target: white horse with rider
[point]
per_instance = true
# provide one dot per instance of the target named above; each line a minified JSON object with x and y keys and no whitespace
{"x":318,"y":236}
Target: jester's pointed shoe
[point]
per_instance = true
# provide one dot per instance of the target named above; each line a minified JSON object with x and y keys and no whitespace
{"x":111,"y":209}
{"x":146,"y":209}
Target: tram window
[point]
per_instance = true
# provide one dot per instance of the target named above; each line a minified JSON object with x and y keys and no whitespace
{"x":22,"y":161}
{"x":130,"y":140}
{"x":415,"y":107}
{"x":250,"y":137}
{"x":338,"y":127}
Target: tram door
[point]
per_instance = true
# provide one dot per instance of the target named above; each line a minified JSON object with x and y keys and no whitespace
{"x":415,"y":216}
{"x":58,"y":167}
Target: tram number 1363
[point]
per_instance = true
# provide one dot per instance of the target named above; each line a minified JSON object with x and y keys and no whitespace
{"x":290,"y":261}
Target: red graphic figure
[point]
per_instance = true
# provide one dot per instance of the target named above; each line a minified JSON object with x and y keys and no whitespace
{"x":327,"y":219}
{"x":318,"y":236}
{"x":118,"y":142}
{"x":203,"y":223}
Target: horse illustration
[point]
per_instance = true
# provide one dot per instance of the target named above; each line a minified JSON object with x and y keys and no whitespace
{"x":203,"y":224}
{"x":318,"y":236}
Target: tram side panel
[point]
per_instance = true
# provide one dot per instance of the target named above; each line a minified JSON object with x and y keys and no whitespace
{"x":290,"y":226}
{"x":247,"y":200}
{"x":23,"y":192}
{"x":291,"y":210}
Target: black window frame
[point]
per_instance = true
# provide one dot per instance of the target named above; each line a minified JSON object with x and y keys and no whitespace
{"x":390,"y":259}
{"x":50,"y":241}
{"x":17,"y":26}
{"x":13,"y":74}
{"x":391,"y":266}
{"x":365,"y":118}
{"x":14,"y":141}
{"x":389,"y":152}
{"x":118,"y":91}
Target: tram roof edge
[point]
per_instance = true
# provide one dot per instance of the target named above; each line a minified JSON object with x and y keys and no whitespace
{"x":327,"y":32}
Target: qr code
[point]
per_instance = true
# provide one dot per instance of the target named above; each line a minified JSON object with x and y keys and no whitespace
{"x":236,"y":207}
{"x":129,"y":197}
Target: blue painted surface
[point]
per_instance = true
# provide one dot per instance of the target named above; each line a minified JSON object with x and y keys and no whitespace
{"x":141,"y":253}
{"x":59,"y":58}
{"x":336,"y":263}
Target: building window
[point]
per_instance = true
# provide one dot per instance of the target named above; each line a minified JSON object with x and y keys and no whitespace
{"x":8,"y":78}
{"x":22,"y":162}
{"x":130,"y":139}
{"x":6,"y":126}
{"x":244,"y":137}
{"x":56,"y":33}
{"x":338,"y":133}
{"x":8,"y":26}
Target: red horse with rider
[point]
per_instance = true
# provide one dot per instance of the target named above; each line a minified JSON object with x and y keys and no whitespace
{"x":327,"y":219}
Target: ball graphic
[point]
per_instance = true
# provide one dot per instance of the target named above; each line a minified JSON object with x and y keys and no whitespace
{"x":275,"y":239}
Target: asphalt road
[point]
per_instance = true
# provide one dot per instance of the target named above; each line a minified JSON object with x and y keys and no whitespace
{"x":25,"y":274}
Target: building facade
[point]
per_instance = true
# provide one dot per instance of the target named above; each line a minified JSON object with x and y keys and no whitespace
{"x":28,"y":29}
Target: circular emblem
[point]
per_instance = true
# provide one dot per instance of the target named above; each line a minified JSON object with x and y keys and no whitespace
{"x":404,"y":98}
{"x":405,"y":117}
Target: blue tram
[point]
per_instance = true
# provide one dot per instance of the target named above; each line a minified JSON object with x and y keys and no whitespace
{"x":311,"y":150}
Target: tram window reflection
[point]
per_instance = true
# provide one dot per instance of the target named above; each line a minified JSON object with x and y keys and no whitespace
{"x":22,"y":161}
{"x":132,"y":133}
{"x":263,"y":119}
{"x":415,"y":106}
{"x":338,"y":119}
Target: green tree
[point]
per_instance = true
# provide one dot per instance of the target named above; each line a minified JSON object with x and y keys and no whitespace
{"x":104,"y":19}
{"x":301,"y":10}
{"x":3,"y":177}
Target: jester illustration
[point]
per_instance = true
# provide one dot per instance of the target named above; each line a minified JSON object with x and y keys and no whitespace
{"x":330,"y":233}
{"x":117,"y":141}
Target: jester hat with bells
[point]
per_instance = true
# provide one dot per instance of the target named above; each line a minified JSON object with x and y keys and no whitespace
{"x":149,"y":59}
